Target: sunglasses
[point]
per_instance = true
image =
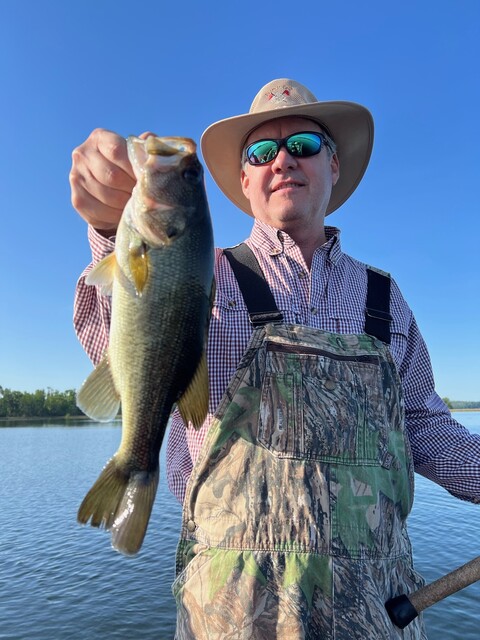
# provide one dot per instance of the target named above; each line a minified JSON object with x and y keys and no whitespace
{"x":299,"y":145}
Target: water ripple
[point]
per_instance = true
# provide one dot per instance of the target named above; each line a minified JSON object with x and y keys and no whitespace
{"x":61,"y":581}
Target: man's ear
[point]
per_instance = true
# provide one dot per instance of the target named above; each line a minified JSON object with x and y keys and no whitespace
{"x":245,"y":183}
{"x":335,"y":166}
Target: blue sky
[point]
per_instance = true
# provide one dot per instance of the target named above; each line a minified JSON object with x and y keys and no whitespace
{"x":176,"y":67}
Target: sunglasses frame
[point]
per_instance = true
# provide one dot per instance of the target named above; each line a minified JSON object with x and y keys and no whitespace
{"x":282,"y":142}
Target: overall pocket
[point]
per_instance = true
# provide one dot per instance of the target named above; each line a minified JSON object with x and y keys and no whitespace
{"x":320,"y":405}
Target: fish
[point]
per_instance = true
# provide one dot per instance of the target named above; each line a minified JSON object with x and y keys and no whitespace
{"x":160,"y":278}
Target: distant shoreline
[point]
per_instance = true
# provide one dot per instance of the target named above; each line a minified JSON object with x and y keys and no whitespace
{"x":47,"y":419}
{"x":12,"y":420}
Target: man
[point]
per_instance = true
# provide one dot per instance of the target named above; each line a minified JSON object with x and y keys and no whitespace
{"x":294,"y":508}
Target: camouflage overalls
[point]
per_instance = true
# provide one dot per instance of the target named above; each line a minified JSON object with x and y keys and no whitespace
{"x":294,"y":516}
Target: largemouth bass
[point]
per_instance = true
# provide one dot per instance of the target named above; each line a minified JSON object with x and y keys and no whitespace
{"x":160,"y":277}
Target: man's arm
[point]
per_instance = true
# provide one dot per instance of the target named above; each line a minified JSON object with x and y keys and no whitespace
{"x":92,"y":309}
{"x":443,"y":450}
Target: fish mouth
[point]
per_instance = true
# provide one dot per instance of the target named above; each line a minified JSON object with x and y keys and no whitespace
{"x":163,"y":153}
{"x":169,"y":146}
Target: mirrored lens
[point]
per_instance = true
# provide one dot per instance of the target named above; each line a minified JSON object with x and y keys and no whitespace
{"x":303,"y":145}
{"x":300,"y":145}
{"x":262,"y":151}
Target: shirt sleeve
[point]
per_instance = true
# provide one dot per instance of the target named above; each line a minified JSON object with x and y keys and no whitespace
{"x":91,"y":313}
{"x":443,"y":450}
{"x":178,"y":459}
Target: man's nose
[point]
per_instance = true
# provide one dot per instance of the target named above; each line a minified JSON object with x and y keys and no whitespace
{"x":284,"y":161}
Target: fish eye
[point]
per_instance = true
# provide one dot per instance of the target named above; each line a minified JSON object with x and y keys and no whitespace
{"x":192,"y":175}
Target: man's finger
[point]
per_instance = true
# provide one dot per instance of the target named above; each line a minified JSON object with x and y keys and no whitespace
{"x":92,"y":209}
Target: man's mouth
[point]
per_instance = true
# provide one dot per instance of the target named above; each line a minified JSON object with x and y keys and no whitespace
{"x":287,"y":185}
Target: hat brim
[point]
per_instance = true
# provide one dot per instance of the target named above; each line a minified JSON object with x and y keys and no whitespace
{"x":350,"y":125}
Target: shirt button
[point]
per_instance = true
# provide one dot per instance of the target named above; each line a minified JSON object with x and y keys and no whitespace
{"x":301,"y":275}
{"x":191,"y":526}
{"x":275,"y":252}
{"x":232,"y":304}
{"x":330,"y":384}
{"x":313,"y":311}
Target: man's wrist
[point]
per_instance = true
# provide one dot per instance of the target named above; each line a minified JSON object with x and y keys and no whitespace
{"x":109,"y":234}
{"x":99,"y":244}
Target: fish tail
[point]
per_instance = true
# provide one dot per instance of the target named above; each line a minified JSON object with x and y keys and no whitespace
{"x":131,"y":520}
{"x":121,"y":501}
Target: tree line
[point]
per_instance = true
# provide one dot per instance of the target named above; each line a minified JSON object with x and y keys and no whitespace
{"x":42,"y":403}
{"x":51,"y":403}
{"x":461,"y":404}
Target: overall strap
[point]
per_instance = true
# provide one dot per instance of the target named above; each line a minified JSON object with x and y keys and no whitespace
{"x":255,"y":290}
{"x":377,"y":312}
{"x":261,"y":303}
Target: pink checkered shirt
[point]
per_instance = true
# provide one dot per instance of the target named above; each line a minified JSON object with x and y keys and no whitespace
{"x":331,"y":296}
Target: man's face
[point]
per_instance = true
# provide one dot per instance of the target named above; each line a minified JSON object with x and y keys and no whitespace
{"x":290,"y":191}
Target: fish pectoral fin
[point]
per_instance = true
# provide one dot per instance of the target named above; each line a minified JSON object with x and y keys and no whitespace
{"x":103,"y":274}
{"x":193,"y":405}
{"x":98,"y":397}
{"x":139,"y":263}
{"x":121,"y":501}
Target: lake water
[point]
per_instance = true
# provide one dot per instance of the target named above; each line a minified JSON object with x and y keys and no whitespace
{"x":61,"y":581}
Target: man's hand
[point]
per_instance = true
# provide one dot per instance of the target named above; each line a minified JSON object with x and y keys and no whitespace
{"x":102,"y":179}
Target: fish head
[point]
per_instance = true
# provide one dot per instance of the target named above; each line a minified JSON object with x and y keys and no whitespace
{"x":170,"y":192}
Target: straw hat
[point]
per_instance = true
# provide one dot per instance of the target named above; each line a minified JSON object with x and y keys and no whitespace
{"x":349,"y":124}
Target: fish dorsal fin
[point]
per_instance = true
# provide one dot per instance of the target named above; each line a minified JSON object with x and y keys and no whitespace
{"x":103,"y":274}
{"x":193,"y":405}
{"x":97,"y":397}
{"x":138,"y":262}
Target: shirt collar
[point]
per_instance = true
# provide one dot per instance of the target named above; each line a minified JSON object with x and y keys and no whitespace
{"x":275,"y":242}
{"x":332,"y":245}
